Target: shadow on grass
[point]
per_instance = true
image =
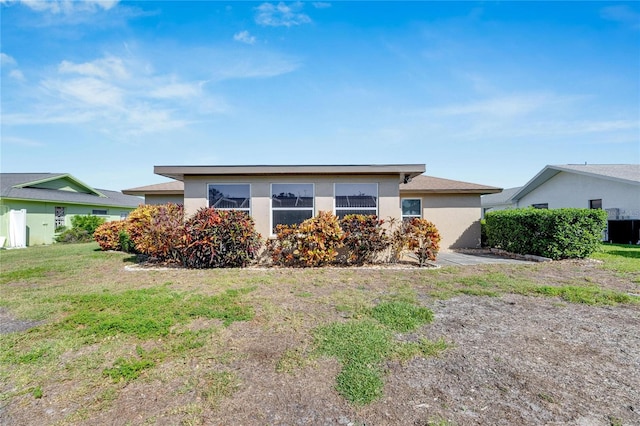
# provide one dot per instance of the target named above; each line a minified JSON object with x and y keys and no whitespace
{"x":625,"y":253}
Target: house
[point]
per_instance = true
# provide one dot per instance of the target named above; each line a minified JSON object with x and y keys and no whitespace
{"x":290,"y":194}
{"x":613,"y":187}
{"x":498,"y":201}
{"x":453,"y":206}
{"x":42,"y":202}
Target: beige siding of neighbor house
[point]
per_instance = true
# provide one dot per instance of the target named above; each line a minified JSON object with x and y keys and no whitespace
{"x":457,"y":217}
{"x":195,"y":193}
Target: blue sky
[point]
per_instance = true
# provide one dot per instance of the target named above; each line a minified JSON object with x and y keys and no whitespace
{"x":485,"y":92}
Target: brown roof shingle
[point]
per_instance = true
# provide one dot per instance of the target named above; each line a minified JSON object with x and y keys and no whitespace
{"x":433,"y":184}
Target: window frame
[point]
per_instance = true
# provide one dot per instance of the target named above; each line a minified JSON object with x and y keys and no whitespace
{"x":59,"y":216}
{"x":337,"y":209}
{"x":407,"y":216}
{"x":597,"y":200}
{"x":242,"y":209}
{"x":99,"y":212}
{"x":272,"y":223}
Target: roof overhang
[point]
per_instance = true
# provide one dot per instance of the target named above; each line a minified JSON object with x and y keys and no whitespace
{"x":406,"y":172}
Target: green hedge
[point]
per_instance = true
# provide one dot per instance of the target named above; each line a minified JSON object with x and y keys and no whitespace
{"x":553,"y":233}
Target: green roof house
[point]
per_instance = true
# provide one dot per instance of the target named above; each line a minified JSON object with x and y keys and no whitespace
{"x":50,"y":201}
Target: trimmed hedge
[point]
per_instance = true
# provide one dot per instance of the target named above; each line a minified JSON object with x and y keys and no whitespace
{"x":553,"y":233}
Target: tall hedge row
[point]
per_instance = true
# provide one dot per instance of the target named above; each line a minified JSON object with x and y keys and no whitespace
{"x":553,"y":233}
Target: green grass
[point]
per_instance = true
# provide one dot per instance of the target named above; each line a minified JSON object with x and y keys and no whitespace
{"x":362,"y":345}
{"x":623,"y":259}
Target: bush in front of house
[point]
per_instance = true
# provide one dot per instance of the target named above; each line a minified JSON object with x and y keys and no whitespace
{"x":553,"y":233}
{"x":157,"y":230}
{"x":422,"y":238}
{"x":82,"y":229}
{"x":107,"y":235}
{"x":219,"y":239}
{"x":364,"y":238}
{"x":315,"y":242}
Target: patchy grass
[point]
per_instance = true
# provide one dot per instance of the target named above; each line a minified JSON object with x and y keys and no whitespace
{"x":189,"y":334}
{"x":361,"y":347}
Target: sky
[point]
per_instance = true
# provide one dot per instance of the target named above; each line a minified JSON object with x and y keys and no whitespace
{"x":482,"y":92}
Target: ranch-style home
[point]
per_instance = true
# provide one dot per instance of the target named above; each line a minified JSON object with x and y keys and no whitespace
{"x":34,"y":205}
{"x":275,"y":195}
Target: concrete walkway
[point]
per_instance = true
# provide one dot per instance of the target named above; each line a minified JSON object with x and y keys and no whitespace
{"x":452,"y":258}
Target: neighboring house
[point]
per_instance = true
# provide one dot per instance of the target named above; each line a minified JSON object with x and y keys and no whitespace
{"x":50,"y":200}
{"x":613,"y":187}
{"x":290,"y":194}
{"x":498,"y":201}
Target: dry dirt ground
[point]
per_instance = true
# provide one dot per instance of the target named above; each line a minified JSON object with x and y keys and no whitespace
{"x":514,"y":360}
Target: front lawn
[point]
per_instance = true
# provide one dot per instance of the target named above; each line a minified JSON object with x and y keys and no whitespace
{"x":84,"y":341}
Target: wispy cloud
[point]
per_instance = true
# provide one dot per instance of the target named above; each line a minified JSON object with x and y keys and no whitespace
{"x":244,"y":37}
{"x":67,"y":7}
{"x":102,"y":68}
{"x":623,"y":14}
{"x":8,"y":62}
{"x":281,"y":15}
{"x":321,"y":4}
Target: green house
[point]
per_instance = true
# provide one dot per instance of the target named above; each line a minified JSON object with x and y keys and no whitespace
{"x":50,"y":201}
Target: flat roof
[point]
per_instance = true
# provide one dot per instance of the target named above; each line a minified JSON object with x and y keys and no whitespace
{"x":406,"y":171}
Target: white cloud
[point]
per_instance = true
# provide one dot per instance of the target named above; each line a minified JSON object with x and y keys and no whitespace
{"x":623,"y":14}
{"x":67,"y":7}
{"x":17,"y":74}
{"x":88,"y":91}
{"x":281,"y":15}
{"x":504,"y":106}
{"x":102,"y":68}
{"x":321,"y":4}
{"x":244,"y":37}
{"x":6,"y":60}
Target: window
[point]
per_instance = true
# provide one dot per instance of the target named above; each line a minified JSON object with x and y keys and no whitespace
{"x":59,"y":217}
{"x":540,"y":206}
{"x":291,"y":203}
{"x":595,"y":204}
{"x":356,"y":198}
{"x":411,"y":207}
{"x":99,"y":212}
{"x":124,"y":215}
{"x":230,"y":196}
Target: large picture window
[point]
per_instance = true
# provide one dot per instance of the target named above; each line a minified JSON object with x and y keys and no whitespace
{"x":230,"y":196}
{"x":291,"y":203}
{"x":411,"y":207}
{"x":356,"y":198}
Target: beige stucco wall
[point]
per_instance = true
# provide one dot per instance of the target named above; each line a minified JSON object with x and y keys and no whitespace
{"x":574,"y":190}
{"x":195,"y":193}
{"x":457,"y":217}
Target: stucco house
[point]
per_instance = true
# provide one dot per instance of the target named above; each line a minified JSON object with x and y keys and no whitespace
{"x":612,"y":187}
{"x":42,"y":202}
{"x":290,"y":194}
{"x":498,"y":201}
